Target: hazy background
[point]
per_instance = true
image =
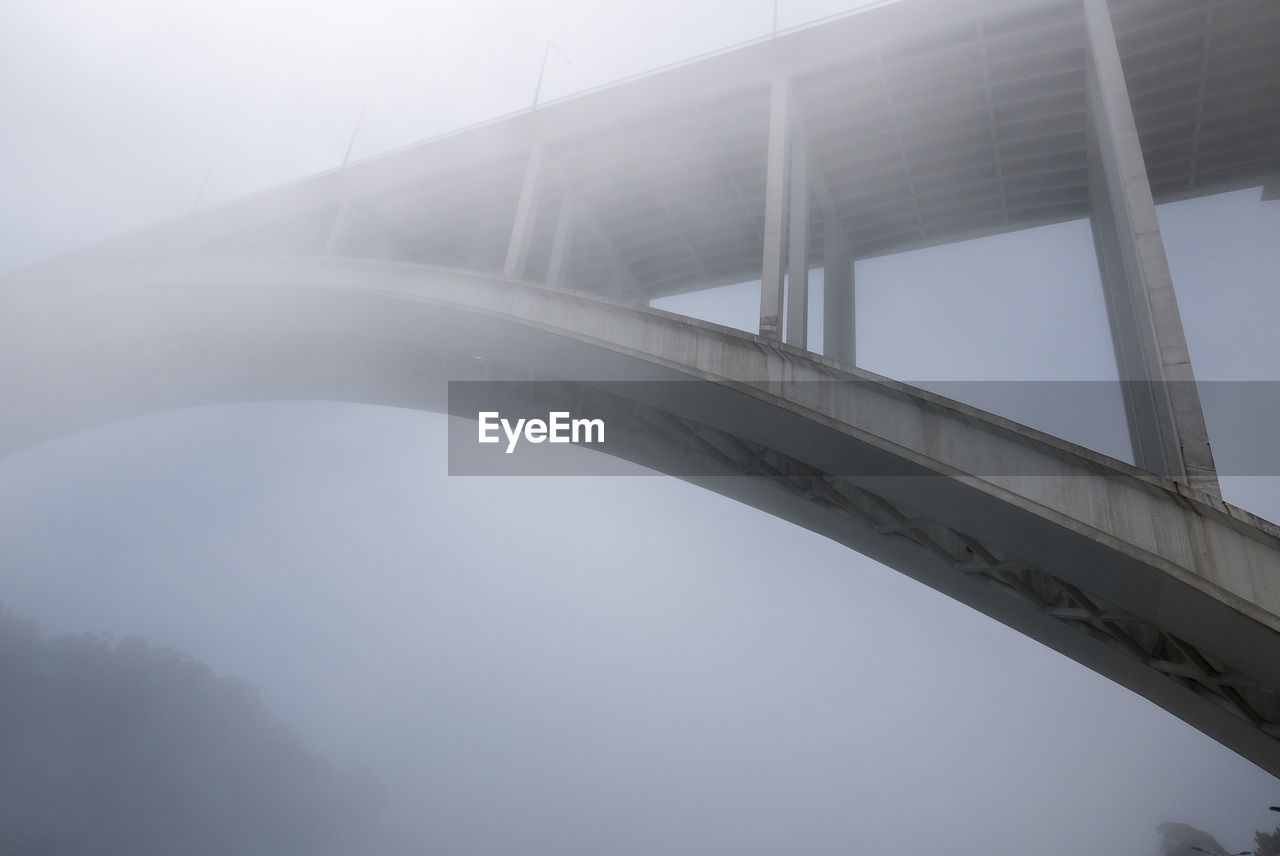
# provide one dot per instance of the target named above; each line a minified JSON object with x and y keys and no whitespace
{"x":576,"y":665}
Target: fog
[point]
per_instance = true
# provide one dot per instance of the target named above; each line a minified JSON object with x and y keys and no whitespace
{"x":570,"y":665}
{"x":587,"y":664}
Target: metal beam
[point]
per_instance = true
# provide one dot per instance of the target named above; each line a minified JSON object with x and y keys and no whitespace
{"x":777,"y":187}
{"x":1166,"y":422}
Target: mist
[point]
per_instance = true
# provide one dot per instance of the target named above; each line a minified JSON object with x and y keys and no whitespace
{"x":293,"y":603}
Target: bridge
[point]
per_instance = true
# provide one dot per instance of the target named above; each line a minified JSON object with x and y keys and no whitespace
{"x":530,"y":247}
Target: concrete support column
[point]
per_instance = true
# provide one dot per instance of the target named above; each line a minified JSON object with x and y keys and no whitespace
{"x":798,"y":243}
{"x":526,"y":214}
{"x":562,"y":243}
{"x":837,"y":295}
{"x":1166,"y":422}
{"x":777,"y":189}
{"x":339,"y":231}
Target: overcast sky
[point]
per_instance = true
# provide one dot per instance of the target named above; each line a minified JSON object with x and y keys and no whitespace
{"x":575,"y":666}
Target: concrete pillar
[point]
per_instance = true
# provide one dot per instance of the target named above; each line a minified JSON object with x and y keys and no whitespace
{"x":777,"y":187}
{"x":562,"y":243}
{"x":336,"y":242}
{"x":526,"y":214}
{"x":1166,"y":423}
{"x":837,"y":295}
{"x":798,"y":244}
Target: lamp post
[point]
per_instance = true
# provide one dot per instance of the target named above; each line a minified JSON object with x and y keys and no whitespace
{"x":546,"y":54}
{"x":356,"y":130}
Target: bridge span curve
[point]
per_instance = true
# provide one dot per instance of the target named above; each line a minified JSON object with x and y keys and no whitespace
{"x":1163,"y":589}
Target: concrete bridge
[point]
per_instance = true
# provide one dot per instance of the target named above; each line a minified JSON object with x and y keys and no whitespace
{"x":529,"y":247}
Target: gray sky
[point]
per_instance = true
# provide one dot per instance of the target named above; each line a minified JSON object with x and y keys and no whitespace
{"x":575,"y":665}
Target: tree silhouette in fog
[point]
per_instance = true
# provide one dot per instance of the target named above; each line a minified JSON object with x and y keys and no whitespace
{"x":1181,"y":839}
{"x":1267,"y":844}
{"x":1178,"y":839}
{"x":129,"y":749}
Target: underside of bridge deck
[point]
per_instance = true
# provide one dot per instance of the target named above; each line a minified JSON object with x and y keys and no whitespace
{"x":905,"y":125}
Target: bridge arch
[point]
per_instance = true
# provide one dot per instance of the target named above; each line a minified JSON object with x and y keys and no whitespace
{"x":1171,"y":593}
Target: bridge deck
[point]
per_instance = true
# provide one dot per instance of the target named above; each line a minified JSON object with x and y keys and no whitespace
{"x":928,"y":121}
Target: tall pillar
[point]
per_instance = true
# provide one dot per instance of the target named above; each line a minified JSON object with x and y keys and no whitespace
{"x":336,"y":241}
{"x":798,"y":243}
{"x":837,"y":295}
{"x":1166,"y":422}
{"x":562,"y":243}
{"x":526,"y":213}
{"x":777,"y":187}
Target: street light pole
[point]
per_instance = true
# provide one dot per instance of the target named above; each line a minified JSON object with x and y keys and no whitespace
{"x":546,"y":54}
{"x":356,"y":130}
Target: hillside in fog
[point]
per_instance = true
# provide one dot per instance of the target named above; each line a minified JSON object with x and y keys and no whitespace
{"x":123,"y":748}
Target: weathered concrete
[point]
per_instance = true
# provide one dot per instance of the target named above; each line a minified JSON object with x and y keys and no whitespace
{"x":924,"y":86}
{"x":798,"y":243}
{"x":1172,"y":594}
{"x":776,"y":209}
{"x":526,"y":213}
{"x":1166,"y":422}
{"x":838,"y":320}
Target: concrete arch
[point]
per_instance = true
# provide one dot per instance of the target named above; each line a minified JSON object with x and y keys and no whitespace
{"x":1170,"y":593}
